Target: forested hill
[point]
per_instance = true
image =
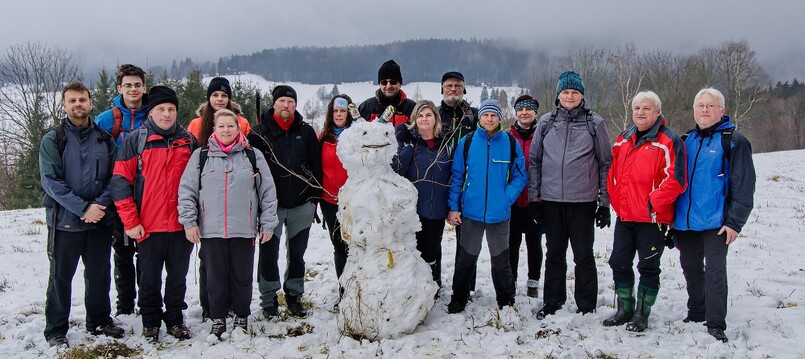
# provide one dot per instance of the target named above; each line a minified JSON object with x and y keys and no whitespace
{"x":482,"y":61}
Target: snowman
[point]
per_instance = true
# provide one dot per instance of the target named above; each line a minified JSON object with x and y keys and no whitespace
{"x":388,"y":287}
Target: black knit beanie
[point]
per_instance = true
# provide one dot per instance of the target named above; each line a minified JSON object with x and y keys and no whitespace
{"x":389,"y":71}
{"x":219,"y":84}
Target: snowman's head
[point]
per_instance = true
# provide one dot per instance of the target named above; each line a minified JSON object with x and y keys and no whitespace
{"x":366,"y":145}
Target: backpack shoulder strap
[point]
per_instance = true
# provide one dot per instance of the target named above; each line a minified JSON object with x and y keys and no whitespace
{"x":104,"y":136}
{"x":549,"y":125}
{"x":467,"y":142}
{"x":202,"y":160}
{"x":512,"y":155}
{"x":142,"y":138}
{"x":588,"y":120}
{"x":118,"y":122}
{"x":252,"y":160}
{"x":61,"y":139}
{"x":685,"y":135}
{"x":726,"y":142}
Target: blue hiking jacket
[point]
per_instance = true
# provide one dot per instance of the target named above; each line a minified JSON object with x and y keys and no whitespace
{"x":483,"y":190}
{"x":106,"y":119}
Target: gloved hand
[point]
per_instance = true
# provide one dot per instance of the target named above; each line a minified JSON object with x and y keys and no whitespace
{"x":671,"y":239}
{"x":602,"y":217}
{"x":535,"y":211}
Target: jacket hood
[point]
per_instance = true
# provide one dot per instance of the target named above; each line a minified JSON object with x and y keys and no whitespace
{"x":118,"y":102}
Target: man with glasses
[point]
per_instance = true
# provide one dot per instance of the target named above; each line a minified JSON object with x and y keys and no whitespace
{"x":390,"y":93}
{"x":126,"y":115}
{"x":713,"y":209}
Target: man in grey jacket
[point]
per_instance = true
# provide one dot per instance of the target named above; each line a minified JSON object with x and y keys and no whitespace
{"x":569,"y":158}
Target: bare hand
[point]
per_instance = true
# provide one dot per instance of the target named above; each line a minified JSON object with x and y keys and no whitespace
{"x":454,"y":218}
{"x":136,"y":232}
{"x":193,"y":235}
{"x":732,"y":235}
{"x":265,"y":237}
{"x":94,"y":213}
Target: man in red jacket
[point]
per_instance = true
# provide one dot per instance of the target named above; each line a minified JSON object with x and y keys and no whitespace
{"x":145,"y":188}
{"x":646,"y":175}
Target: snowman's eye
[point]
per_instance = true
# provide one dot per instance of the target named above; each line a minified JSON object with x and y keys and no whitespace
{"x":387,"y":133}
{"x":364,"y":133}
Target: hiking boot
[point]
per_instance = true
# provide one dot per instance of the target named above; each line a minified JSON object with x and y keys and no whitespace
{"x":456,"y":305}
{"x":718,"y":334}
{"x":546,"y":310}
{"x":625,"y":303}
{"x":109,"y":330}
{"x":645,"y":300}
{"x":532,"y":288}
{"x":58,"y":340}
{"x":690,"y":319}
{"x":242,"y":323}
{"x":218,"y":327}
{"x":272,"y":310}
{"x":151,"y":334}
{"x":295,"y":307}
{"x":180,"y":331}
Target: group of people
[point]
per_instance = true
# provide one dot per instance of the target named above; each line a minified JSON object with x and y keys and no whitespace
{"x":136,"y":182}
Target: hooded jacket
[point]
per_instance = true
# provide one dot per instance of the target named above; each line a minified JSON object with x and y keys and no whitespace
{"x":149,"y":196}
{"x":132,"y":118}
{"x":229,"y":201}
{"x":373,"y":107}
{"x":296,"y":150}
{"x":647,"y":175}
{"x":483,"y":189}
{"x":78,"y":177}
{"x":569,"y":164}
{"x":428,"y":169}
{"x":720,"y":190}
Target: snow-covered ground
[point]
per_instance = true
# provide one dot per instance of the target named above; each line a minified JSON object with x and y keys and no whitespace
{"x":765,"y":320}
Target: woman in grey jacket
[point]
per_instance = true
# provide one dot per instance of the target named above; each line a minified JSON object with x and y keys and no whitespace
{"x":226,"y":200}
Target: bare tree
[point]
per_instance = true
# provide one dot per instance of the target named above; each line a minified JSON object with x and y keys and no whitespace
{"x":741,"y":76}
{"x":629,"y":73}
{"x":33,"y":74}
{"x":666,"y":74}
{"x":591,"y":64}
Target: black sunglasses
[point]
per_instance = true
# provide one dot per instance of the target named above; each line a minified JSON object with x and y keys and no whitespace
{"x":389,"y":82}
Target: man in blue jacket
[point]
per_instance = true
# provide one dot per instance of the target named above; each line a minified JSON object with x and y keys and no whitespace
{"x":483,"y":188}
{"x":126,"y":115}
{"x":713,"y":209}
{"x":75,"y":162}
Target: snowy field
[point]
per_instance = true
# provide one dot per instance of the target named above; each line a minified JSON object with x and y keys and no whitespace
{"x":766,"y":318}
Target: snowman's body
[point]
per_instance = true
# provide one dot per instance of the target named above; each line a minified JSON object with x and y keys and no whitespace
{"x":388,"y":287}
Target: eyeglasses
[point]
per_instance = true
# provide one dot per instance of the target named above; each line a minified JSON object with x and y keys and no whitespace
{"x":138,"y":86}
{"x":454,"y":86}
{"x":389,"y":82}
{"x":708,"y":106}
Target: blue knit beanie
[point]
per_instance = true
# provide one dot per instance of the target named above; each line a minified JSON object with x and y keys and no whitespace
{"x":490,"y":105}
{"x":570,"y":80}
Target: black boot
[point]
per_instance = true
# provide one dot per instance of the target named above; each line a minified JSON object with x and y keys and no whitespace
{"x":546,"y":310}
{"x":645,"y":300}
{"x":626,"y":305}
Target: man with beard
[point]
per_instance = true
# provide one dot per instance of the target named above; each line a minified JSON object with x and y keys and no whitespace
{"x":390,"y":93}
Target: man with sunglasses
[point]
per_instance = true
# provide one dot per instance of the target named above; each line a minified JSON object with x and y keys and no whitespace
{"x":126,"y":115}
{"x":390,"y":93}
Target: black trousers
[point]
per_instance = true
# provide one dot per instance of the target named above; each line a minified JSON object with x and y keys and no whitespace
{"x":172,"y":251}
{"x":229,"y":269}
{"x":471,"y":271}
{"x":572,"y":223}
{"x":497,"y":238}
{"x":647,"y":239}
{"x":340,"y":248}
{"x":703,"y":256}
{"x":93,"y":248}
{"x":126,"y":273}
{"x":522,"y":224}
{"x":429,"y":244}
{"x":203,"y":296}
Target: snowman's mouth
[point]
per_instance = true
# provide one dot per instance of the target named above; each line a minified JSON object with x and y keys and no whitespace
{"x":377,"y":146}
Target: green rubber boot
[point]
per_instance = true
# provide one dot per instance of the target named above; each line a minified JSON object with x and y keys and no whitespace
{"x":626,"y":304}
{"x":645,"y":300}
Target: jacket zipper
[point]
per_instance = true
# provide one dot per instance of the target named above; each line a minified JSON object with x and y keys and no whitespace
{"x":226,"y":204}
{"x":486,"y":183}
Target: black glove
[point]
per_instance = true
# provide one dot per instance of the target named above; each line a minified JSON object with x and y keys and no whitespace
{"x":671,"y":239}
{"x":602,"y":217}
{"x":535,"y":211}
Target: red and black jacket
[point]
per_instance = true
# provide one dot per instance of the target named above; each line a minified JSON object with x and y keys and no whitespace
{"x":149,"y":196}
{"x":373,"y":107}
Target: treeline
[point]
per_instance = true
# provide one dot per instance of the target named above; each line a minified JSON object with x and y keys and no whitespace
{"x":770,"y":114}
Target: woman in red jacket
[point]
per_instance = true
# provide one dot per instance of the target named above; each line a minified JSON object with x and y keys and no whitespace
{"x":334,"y":174}
{"x":646,"y":176}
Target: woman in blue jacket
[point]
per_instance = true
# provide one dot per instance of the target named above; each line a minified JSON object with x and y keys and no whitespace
{"x":424,"y":159}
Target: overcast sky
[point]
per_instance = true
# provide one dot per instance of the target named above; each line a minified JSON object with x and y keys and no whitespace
{"x":155,"y":32}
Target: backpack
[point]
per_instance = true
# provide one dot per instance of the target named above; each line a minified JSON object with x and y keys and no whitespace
{"x":512,"y":156}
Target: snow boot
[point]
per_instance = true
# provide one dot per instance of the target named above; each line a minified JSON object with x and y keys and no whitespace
{"x":218,"y":327}
{"x":645,"y":300}
{"x":295,"y":307}
{"x":532,"y":288}
{"x":625,"y":302}
{"x":718,"y":334}
{"x":242,"y":323}
{"x":546,"y":310}
{"x":457,"y":304}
